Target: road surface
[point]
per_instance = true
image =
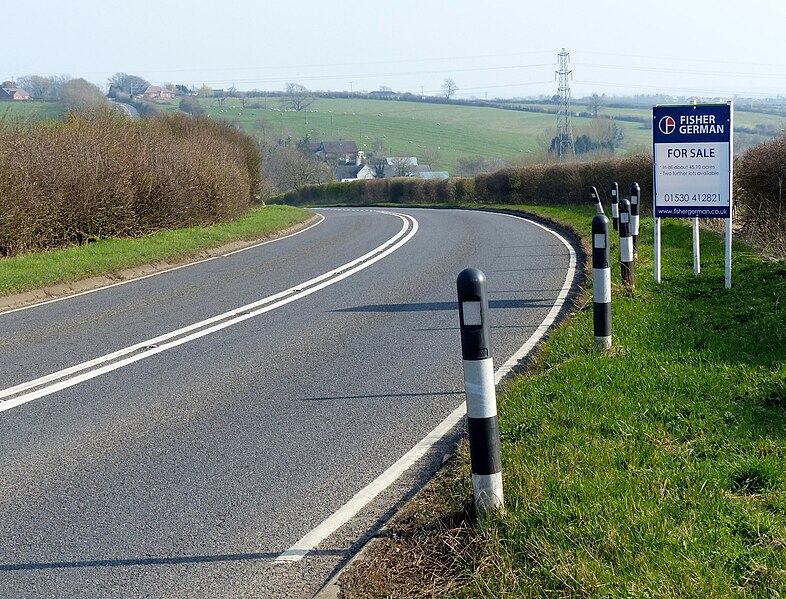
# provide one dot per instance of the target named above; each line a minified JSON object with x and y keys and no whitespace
{"x":235,"y":428}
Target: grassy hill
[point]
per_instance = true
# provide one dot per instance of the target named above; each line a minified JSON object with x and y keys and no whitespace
{"x":437,"y":134}
{"x":442,"y":134}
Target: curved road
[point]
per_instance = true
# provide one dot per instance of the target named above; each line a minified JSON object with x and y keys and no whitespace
{"x":232,"y":428}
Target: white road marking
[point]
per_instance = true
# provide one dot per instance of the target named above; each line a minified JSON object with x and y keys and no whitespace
{"x":344,"y":514}
{"x":85,"y":371}
{"x":161,"y":272}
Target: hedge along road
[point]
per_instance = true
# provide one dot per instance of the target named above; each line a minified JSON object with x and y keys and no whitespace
{"x":246,"y":431}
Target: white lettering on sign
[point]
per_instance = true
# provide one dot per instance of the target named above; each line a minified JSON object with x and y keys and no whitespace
{"x":692,"y":153}
{"x":699,"y":124}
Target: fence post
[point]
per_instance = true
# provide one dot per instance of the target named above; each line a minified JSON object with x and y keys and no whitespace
{"x":601,"y":281}
{"x":615,"y":209}
{"x":635,"y":193}
{"x":482,"y":421}
{"x":626,"y":245}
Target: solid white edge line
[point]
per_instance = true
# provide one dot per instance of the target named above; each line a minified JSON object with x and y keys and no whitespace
{"x":166,"y":336}
{"x":161,"y":272}
{"x":345,"y":270}
{"x":362,"y":498}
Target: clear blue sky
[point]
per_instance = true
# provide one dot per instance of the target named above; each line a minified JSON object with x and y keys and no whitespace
{"x":504,"y":49}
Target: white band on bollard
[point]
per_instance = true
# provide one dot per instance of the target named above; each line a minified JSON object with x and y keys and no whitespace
{"x":601,"y":285}
{"x":479,"y":386}
{"x":626,"y":249}
{"x":488,"y":491}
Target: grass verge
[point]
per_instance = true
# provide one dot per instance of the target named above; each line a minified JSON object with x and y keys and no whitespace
{"x":32,"y":271}
{"x":653,"y":470}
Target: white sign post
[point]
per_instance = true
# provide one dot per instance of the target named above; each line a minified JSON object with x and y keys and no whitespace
{"x":692,"y":170}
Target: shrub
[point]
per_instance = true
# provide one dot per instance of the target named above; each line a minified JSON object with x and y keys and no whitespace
{"x":760,"y":195}
{"x":99,"y":174}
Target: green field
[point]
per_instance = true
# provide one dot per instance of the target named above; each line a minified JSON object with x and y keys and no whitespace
{"x":442,"y":134}
{"x":16,"y":112}
{"x":437,"y":134}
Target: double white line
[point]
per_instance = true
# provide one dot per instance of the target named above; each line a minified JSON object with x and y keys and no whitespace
{"x":68,"y":377}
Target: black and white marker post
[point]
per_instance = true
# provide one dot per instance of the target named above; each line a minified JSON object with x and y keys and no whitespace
{"x":615,"y":209}
{"x":635,"y":194}
{"x":626,"y":245}
{"x":601,"y":281}
{"x":482,"y":422}
{"x":596,"y":200}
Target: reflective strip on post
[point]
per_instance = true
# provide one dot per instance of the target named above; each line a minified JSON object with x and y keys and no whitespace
{"x":635,"y":194}
{"x":615,"y":209}
{"x":482,"y":421}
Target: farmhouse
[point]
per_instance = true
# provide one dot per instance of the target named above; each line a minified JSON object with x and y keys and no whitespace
{"x":338,"y":152}
{"x":353,"y":173}
{"x":155,"y":92}
{"x":10,"y":92}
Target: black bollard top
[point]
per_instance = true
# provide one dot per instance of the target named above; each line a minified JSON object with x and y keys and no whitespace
{"x":601,"y":252}
{"x":624,"y":218}
{"x":615,"y":192}
{"x":473,"y":314}
{"x":635,"y":193}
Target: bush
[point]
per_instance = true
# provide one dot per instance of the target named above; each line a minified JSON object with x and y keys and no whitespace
{"x":101,"y":175}
{"x":760,"y":195}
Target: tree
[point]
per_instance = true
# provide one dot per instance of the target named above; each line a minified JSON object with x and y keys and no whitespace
{"x":129,"y":84}
{"x":205,"y":91}
{"x":402,"y":166}
{"x":290,"y":168}
{"x":181,"y":89}
{"x":191,"y":106}
{"x":42,"y":88}
{"x":595,"y":103}
{"x":449,"y":88}
{"x":79,"y":94}
{"x":296,"y":97}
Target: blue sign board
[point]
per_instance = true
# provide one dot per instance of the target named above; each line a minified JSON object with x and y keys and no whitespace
{"x":692,"y":160}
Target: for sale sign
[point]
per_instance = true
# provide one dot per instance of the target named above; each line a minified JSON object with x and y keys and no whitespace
{"x":692,"y":154}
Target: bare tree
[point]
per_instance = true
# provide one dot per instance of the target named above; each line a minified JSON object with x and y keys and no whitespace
{"x":296,"y":97}
{"x":402,"y":166}
{"x":43,"y":88}
{"x":595,"y":103}
{"x":129,"y":84}
{"x":289,"y":168}
{"x":449,"y":88}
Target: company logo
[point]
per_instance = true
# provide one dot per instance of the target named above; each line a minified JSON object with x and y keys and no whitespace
{"x":667,"y":125}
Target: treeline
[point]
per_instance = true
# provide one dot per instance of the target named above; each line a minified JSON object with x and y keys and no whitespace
{"x":98,"y":174}
{"x":759,"y":189}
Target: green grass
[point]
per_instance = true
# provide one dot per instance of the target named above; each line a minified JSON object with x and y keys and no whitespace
{"x":23,"y":273}
{"x":653,"y":470}
{"x":21,"y":112}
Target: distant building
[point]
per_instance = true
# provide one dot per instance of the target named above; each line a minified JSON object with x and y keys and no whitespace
{"x":155,"y":92}
{"x":384,"y":95}
{"x":354,"y":172}
{"x":338,"y":152}
{"x":10,"y":91}
{"x":430,"y":175}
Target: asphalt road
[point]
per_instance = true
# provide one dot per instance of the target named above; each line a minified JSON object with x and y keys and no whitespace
{"x":139,"y":463}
